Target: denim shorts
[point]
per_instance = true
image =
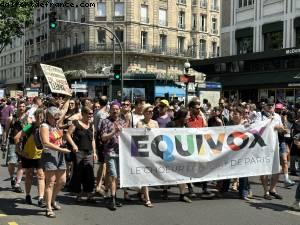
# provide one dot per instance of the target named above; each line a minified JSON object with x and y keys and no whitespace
{"x":12,"y":157}
{"x":282,"y":148}
{"x":113,"y":166}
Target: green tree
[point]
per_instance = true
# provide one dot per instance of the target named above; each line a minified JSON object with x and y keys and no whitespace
{"x":14,"y":14}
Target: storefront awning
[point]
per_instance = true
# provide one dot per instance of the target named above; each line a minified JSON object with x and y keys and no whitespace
{"x":160,"y":91}
{"x":264,"y":78}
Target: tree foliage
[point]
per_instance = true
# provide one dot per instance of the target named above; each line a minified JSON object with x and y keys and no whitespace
{"x":14,"y":14}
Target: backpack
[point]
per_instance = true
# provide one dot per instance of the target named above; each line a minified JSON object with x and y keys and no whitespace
{"x":33,"y":147}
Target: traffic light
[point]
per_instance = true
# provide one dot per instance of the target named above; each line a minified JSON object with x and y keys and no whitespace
{"x":52,"y":20}
{"x":117,"y":71}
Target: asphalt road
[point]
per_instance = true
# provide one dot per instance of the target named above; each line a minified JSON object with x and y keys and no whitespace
{"x":229,"y":210}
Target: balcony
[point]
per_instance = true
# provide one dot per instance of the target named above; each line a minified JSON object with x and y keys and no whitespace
{"x":182,"y":2}
{"x":144,"y":20}
{"x":214,"y":31}
{"x":63,"y":52}
{"x":203,"y":29}
{"x":215,"y":8}
{"x":100,"y":18}
{"x":202,"y":54}
{"x":78,"y":49}
{"x":118,"y":18}
{"x":181,"y":26}
{"x":213,"y":55}
{"x":108,"y":48}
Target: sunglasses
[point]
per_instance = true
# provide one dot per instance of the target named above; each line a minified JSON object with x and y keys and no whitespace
{"x":126,"y":104}
{"x":149,"y":111}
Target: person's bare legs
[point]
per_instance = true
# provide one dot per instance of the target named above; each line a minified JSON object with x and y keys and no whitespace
{"x":41,"y":182}
{"x":60,"y":182}
{"x":50,"y":182}
{"x":28,"y":180}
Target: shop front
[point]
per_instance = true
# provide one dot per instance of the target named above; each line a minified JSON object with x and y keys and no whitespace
{"x":273,"y":74}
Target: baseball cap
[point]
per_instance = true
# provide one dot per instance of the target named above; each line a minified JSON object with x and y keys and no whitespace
{"x":165,"y":102}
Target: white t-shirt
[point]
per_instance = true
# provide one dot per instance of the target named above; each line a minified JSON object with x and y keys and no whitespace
{"x":276,"y":118}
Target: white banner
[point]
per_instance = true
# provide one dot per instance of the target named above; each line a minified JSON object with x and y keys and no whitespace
{"x":182,"y":155}
{"x":56,"y":79}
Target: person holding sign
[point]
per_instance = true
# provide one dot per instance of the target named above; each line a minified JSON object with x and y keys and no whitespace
{"x":53,"y":159}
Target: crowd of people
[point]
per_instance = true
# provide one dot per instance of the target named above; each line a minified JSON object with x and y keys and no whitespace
{"x":60,"y":140}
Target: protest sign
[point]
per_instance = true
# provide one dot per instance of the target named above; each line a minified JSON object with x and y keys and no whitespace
{"x":56,"y":79}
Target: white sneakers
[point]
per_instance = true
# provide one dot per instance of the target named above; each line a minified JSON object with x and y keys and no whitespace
{"x":289,"y":183}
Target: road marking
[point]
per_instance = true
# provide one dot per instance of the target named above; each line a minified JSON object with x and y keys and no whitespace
{"x":3,"y":215}
{"x":12,"y":223}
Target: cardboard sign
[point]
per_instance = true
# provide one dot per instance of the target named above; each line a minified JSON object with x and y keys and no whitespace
{"x":56,"y":79}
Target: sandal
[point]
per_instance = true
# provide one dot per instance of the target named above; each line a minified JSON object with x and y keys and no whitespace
{"x":149,"y":204}
{"x":55,"y":206}
{"x":50,"y":213}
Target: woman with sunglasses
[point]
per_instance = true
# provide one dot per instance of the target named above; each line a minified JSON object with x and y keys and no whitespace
{"x":53,"y":159}
{"x":81,"y":137}
{"x":147,"y":122}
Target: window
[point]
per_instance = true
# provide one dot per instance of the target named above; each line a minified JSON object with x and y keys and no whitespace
{"x":181,"y":2}
{"x":162,"y":17}
{"x":68,"y":42}
{"x":181,"y":20}
{"x":101,"y":9}
{"x":202,"y":49}
{"x":203,"y":19}
{"x":214,"y":27}
{"x":83,"y":37}
{"x":180,"y":45}
{"x":298,"y":37}
{"x":144,"y":40}
{"x":58,"y":44}
{"x":75,"y":39}
{"x":144,"y":14}
{"x":214,"y":49}
{"x":52,"y":46}
{"x":101,"y":37}
{"x":244,"y":45}
{"x":119,"y":9}
{"x":163,"y":42}
{"x":120,"y":35}
{"x":203,"y":3}
{"x":194,"y":19}
{"x":76,"y":14}
{"x":273,"y":40}
{"x":245,"y":3}
{"x":68,"y":14}
{"x":215,"y":5}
